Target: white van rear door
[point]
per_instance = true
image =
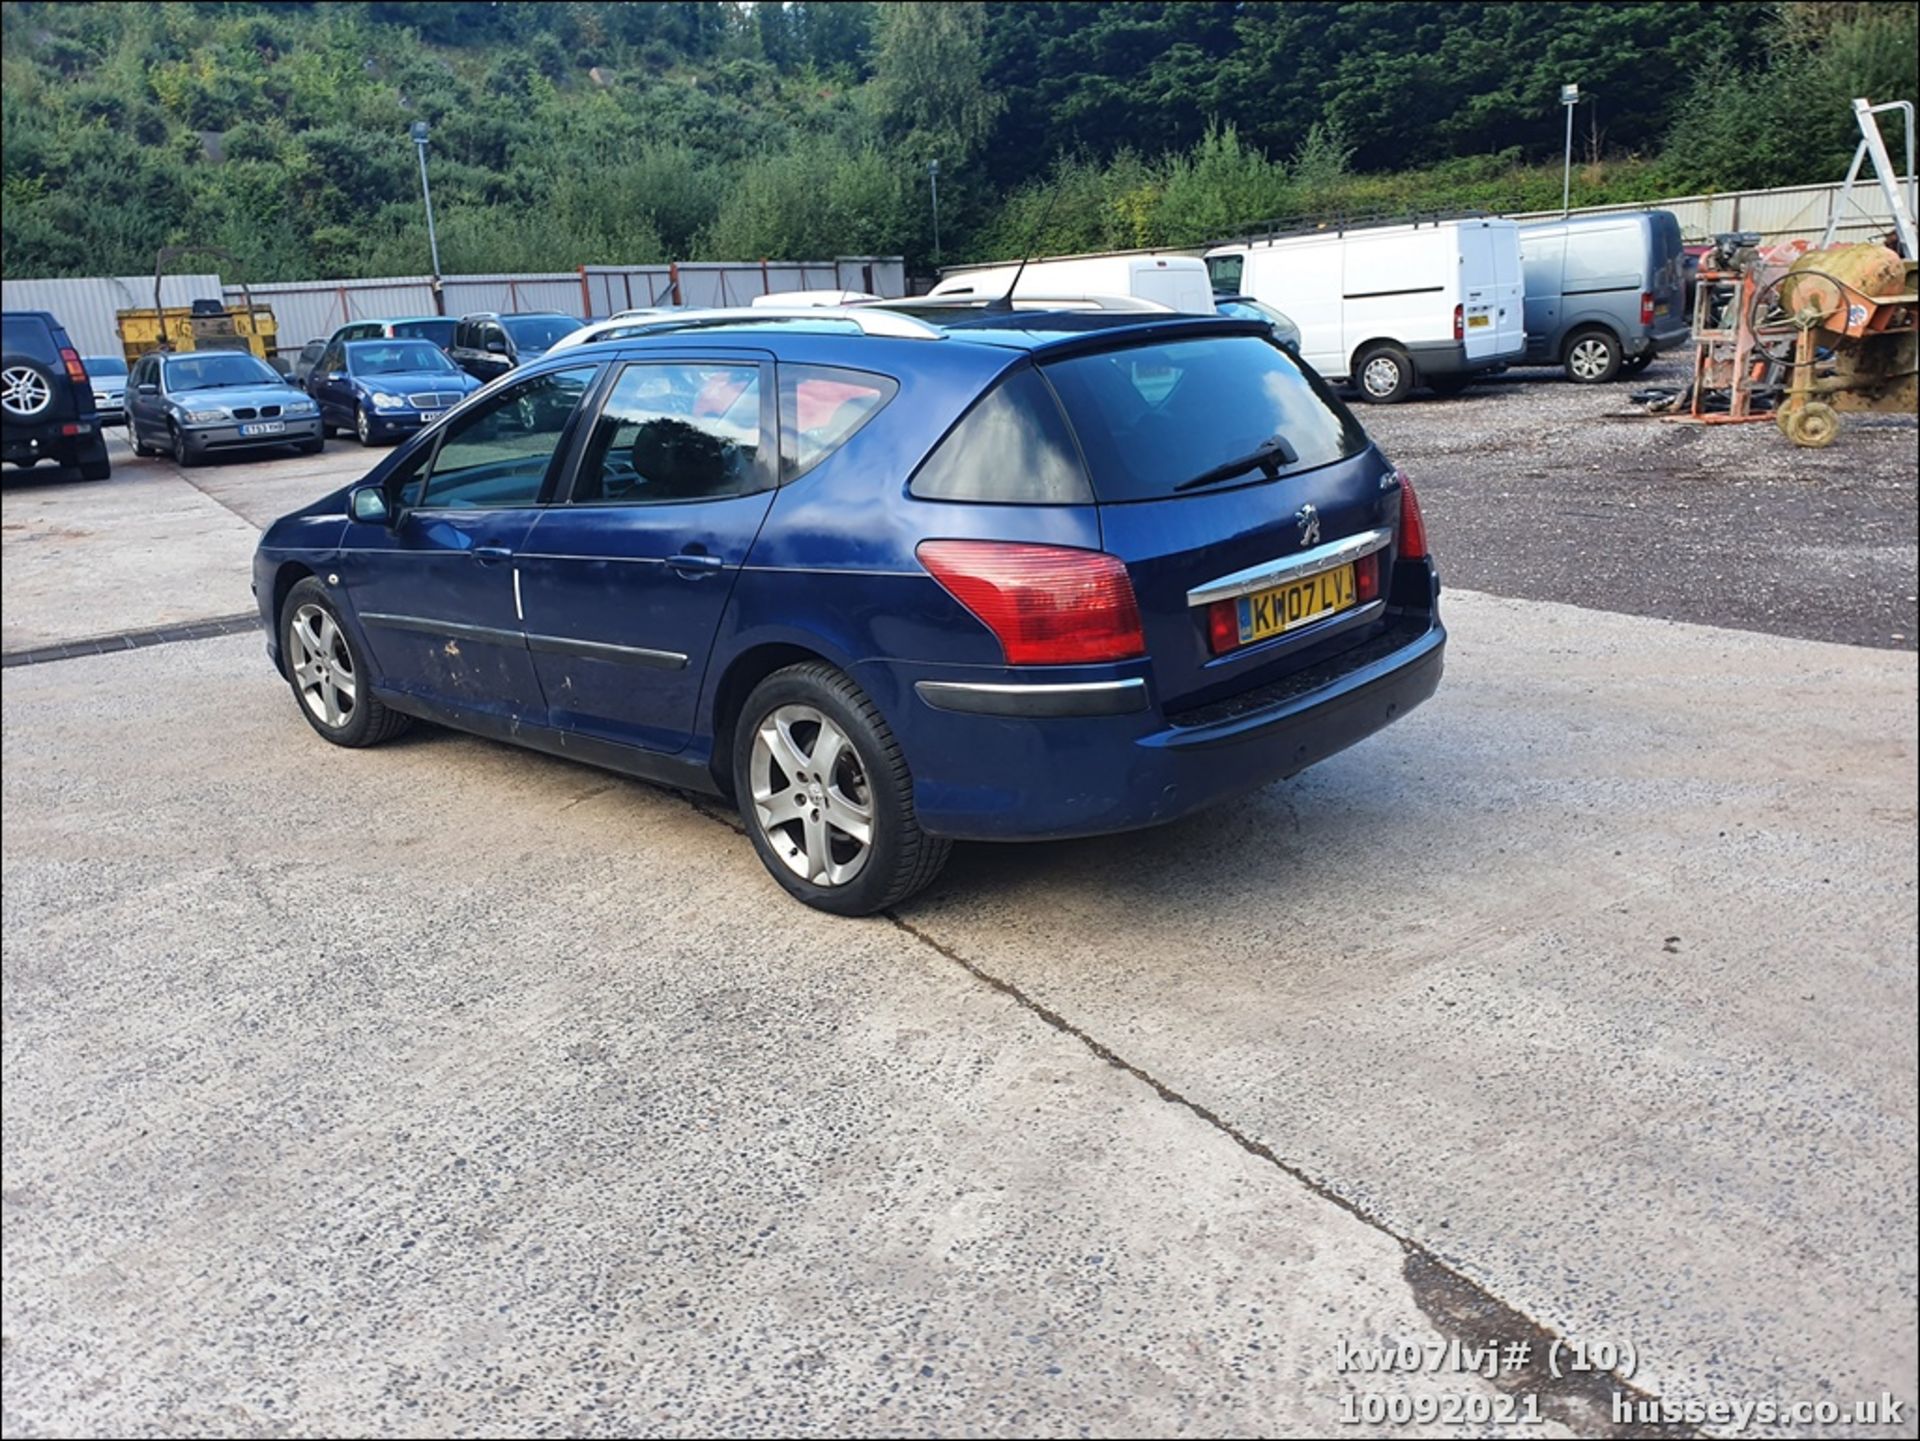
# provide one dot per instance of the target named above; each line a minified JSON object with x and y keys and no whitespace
{"x":1178,"y":283}
{"x":1510,"y":291}
{"x":1479,"y":291}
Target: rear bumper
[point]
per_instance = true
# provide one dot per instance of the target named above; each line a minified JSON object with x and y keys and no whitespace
{"x":1664,"y":337}
{"x":49,"y":440}
{"x":1449,"y":357}
{"x":992,"y":775}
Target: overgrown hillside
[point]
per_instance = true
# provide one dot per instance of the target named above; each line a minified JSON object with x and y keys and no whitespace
{"x":569,"y":133}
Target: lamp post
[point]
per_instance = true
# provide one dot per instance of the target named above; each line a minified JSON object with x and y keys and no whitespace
{"x":933,"y":184}
{"x":1569,"y":97}
{"x":419,"y":133}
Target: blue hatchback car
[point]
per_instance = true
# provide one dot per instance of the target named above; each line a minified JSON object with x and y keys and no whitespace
{"x":884,"y":582}
{"x":384,"y":389}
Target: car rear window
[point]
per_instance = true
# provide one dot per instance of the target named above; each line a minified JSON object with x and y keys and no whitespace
{"x":29,"y":335}
{"x":440,"y":332}
{"x":1012,"y":447}
{"x":1152,"y":418}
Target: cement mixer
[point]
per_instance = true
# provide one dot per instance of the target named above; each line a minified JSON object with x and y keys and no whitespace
{"x":1845,"y":323}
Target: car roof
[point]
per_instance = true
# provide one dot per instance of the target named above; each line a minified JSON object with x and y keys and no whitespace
{"x":388,"y":340}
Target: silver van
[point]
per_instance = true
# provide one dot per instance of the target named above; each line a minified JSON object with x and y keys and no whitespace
{"x":1605,"y":293}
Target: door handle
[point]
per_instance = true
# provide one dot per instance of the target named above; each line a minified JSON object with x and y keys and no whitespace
{"x":694,"y":566}
{"x":491,"y":554}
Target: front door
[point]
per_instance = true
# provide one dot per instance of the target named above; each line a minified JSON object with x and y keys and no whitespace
{"x":624,"y":584}
{"x":436,"y":594}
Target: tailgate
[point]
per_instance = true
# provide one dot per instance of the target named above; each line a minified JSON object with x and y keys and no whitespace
{"x":1175,"y":547}
{"x":1221,"y":460}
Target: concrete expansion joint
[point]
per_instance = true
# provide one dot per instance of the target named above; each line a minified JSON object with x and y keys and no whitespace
{"x":1458,"y":1306}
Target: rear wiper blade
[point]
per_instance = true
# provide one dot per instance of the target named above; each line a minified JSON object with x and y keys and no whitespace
{"x":1270,"y":457}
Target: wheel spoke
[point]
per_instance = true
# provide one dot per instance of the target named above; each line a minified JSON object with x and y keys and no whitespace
{"x":819,"y":859}
{"x":330,"y":701}
{"x":780,"y":809}
{"x":329,"y":633}
{"x":826,"y":749}
{"x":777,"y":736}
{"x":849,"y":816}
{"x":303,"y":630}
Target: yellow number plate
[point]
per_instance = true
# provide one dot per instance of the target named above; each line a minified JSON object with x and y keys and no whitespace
{"x":1476,"y":322}
{"x":1297,"y":603}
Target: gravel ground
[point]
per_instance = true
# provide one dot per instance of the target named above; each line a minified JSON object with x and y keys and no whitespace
{"x":1537,"y":488}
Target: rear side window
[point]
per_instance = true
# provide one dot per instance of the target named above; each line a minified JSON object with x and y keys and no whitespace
{"x":1152,"y":418}
{"x":28,"y":334}
{"x":1012,"y":447}
{"x":821,"y":408}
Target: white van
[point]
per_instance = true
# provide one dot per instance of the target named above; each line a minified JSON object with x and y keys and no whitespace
{"x":1389,"y":306}
{"x":1178,"y":282}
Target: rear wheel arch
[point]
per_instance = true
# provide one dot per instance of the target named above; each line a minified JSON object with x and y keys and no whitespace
{"x":1353,"y":360}
{"x":745,"y":671}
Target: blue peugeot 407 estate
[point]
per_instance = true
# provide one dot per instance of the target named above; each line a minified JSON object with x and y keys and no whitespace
{"x":885,"y":581}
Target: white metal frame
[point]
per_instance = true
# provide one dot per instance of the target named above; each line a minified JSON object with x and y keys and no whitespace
{"x":1902,"y":200}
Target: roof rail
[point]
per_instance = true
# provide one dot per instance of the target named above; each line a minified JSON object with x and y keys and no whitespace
{"x":869,"y":320}
{"x":1338,"y":223}
{"x":1062,"y":300}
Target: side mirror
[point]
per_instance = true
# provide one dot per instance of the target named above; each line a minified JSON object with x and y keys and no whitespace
{"x":150,"y":387}
{"x":336,"y":375}
{"x":368,"y":505}
{"x":497,"y":347}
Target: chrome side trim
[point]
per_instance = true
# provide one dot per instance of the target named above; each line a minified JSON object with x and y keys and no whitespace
{"x":605,"y":650}
{"x":426,"y":625}
{"x":1083,"y":698}
{"x":1292,"y":567}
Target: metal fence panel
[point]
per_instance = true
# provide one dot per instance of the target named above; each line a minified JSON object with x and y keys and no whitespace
{"x":313,"y":309}
{"x":1788,"y":212}
{"x":85,"y":307}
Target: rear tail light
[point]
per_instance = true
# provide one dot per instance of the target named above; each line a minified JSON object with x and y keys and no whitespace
{"x":1413,"y":530}
{"x":1459,"y":322}
{"x":1646,"y":307}
{"x":1045,"y":604}
{"x":75,"y":370}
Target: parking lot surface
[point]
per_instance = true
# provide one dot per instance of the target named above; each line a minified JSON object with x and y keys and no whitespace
{"x":451,"y":1087}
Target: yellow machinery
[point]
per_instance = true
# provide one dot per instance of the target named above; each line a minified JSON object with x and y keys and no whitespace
{"x":203,"y":325}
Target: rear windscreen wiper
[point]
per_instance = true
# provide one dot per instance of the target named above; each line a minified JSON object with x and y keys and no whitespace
{"x":1270,"y":457}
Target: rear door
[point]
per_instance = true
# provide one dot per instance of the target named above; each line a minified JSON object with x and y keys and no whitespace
{"x":1479,"y":293}
{"x":623,"y":586}
{"x":1667,"y":279}
{"x":1152,"y":421}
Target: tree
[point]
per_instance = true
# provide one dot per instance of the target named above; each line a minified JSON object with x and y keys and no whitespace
{"x":929,"y":86}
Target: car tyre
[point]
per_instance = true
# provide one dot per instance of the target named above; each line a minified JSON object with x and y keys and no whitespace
{"x":140,"y":447}
{"x":362,"y":425}
{"x":1592,"y":357}
{"x":1634,"y":364}
{"x":804,"y":810}
{"x":1449,"y":384}
{"x":184,"y":455}
{"x":96,"y":469}
{"x":1383,"y":374}
{"x":314,"y":446}
{"x":332,"y":683}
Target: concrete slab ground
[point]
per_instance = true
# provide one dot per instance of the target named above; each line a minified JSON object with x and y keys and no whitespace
{"x":447,"y":1086}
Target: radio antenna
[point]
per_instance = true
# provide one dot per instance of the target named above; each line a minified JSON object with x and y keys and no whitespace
{"x":1005,"y":302}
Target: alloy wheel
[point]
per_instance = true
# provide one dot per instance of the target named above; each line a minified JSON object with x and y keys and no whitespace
{"x":24,"y":391}
{"x":810,"y":795}
{"x":363,"y":427}
{"x":322,"y":666}
{"x":1589,"y":358}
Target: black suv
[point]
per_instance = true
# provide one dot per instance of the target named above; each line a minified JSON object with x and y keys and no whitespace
{"x":46,"y":399}
{"x":488,"y":345}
